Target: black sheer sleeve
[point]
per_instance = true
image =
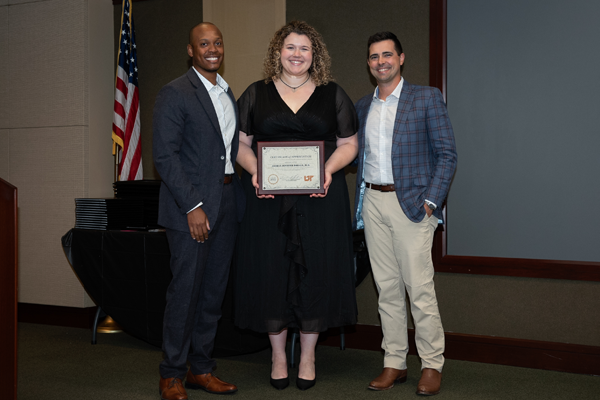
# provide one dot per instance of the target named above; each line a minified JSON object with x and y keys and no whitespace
{"x":246,"y":106}
{"x":346,"y":114}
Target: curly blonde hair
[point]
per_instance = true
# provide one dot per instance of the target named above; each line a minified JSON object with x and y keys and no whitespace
{"x":320,"y":69}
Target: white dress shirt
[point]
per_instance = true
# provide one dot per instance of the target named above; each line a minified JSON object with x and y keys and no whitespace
{"x":225,"y":114}
{"x":378,"y":138}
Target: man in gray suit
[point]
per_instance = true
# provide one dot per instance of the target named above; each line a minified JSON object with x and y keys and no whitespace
{"x":201,"y":203}
{"x":406,"y":160}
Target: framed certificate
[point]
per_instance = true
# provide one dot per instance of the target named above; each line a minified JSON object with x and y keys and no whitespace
{"x":291,"y":167}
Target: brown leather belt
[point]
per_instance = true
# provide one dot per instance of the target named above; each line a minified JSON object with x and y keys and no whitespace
{"x":228,"y":179}
{"x":381,"y":188}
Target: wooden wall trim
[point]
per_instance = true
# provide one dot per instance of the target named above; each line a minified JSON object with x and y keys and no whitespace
{"x":71,"y":317}
{"x":562,"y":357}
{"x":521,"y":267}
{"x":8,"y":288}
{"x":437,"y":45}
{"x":518,"y":267}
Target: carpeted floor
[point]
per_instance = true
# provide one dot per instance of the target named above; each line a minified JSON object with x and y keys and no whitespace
{"x":60,"y":363}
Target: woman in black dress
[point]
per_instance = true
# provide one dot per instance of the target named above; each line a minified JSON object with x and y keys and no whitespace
{"x":294,"y":262}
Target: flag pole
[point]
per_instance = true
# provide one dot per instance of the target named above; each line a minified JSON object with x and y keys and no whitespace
{"x":116,"y":163}
{"x":108,"y":325}
{"x":115,"y":146}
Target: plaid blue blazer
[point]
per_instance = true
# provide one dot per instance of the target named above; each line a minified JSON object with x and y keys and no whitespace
{"x":423,"y":151}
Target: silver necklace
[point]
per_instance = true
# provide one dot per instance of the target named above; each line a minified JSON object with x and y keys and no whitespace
{"x":294,"y":87}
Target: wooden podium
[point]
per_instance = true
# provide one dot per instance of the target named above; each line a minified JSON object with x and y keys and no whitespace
{"x":8,"y":289}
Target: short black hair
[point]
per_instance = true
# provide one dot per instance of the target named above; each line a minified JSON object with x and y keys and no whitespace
{"x":380,"y":37}
{"x":195,"y":26}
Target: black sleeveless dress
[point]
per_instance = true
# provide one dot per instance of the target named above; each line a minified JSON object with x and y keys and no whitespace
{"x":293,"y":265}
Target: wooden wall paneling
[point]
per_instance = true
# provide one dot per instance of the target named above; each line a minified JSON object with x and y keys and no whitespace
{"x":8,"y":289}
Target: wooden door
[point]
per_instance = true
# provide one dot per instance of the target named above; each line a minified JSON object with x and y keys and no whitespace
{"x":8,"y":289}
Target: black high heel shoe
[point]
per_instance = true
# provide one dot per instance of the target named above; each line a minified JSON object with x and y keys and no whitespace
{"x":280,"y":384}
{"x":305,"y":384}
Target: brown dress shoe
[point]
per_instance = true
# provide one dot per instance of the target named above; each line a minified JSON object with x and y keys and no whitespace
{"x":209,"y":382}
{"x":172,"y":389}
{"x":388,"y":378}
{"x":430,"y":382}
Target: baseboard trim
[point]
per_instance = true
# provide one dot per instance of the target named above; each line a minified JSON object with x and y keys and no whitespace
{"x":519,"y":267}
{"x":563,"y":357}
{"x":71,"y":317}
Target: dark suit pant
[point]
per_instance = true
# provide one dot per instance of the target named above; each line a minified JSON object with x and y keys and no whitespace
{"x":195,"y":295}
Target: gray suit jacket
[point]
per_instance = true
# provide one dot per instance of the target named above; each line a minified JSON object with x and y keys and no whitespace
{"x":189,"y":153}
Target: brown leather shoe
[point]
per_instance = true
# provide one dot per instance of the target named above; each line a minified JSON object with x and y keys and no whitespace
{"x":209,"y":382}
{"x":172,"y":389}
{"x":388,"y":378}
{"x":430,"y":382}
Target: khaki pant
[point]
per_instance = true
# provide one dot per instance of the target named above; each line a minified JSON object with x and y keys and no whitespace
{"x":400,"y":255}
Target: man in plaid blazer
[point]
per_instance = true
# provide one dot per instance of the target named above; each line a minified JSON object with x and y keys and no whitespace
{"x":406,"y":160}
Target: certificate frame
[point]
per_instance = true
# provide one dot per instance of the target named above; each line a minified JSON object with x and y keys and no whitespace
{"x":283,"y":149}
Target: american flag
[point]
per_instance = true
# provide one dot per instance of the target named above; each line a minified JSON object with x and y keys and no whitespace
{"x":126,"y":119}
